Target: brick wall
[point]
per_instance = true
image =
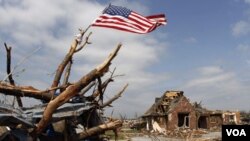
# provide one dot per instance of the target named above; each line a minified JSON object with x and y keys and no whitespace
{"x":183,"y":106}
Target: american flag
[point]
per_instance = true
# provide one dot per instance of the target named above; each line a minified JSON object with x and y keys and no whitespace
{"x":124,"y":19}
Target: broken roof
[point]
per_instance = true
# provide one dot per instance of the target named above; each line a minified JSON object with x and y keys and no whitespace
{"x":165,"y":103}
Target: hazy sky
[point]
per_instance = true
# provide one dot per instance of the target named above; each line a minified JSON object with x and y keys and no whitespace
{"x":204,"y":50}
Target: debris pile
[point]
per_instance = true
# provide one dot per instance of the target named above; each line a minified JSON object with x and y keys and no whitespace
{"x":70,"y":110}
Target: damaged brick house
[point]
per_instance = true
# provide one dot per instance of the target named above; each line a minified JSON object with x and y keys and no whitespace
{"x":206,"y":118}
{"x":173,"y":110}
{"x":230,"y":117}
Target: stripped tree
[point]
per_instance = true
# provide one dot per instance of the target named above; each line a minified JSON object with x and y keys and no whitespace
{"x":69,"y":90}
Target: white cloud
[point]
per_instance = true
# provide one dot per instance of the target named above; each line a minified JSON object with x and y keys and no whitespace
{"x":217,"y":89}
{"x":26,"y":25}
{"x":133,"y":5}
{"x":241,"y":28}
{"x":208,"y":81}
{"x":210,"y":70}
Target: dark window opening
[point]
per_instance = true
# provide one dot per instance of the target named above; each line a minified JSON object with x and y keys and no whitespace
{"x":183,"y":119}
{"x":202,"y":122}
{"x":231,"y":118}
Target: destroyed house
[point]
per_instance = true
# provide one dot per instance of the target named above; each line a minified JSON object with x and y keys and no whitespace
{"x":230,"y":117}
{"x":171,"y":111}
{"x":206,"y":118}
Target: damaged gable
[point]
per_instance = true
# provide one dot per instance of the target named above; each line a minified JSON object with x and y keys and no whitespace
{"x":163,"y":104}
{"x":171,"y":110}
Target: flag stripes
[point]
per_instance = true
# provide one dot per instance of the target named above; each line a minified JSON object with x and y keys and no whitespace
{"x":124,"y":19}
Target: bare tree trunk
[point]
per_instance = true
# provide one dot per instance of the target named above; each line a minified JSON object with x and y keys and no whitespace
{"x":62,"y":66}
{"x":27,"y":91}
{"x":9,"y":73}
{"x":72,"y":90}
{"x":68,"y":90}
{"x":68,"y":58}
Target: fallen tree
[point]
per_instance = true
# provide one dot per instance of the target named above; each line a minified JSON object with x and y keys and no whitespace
{"x":68,"y":92}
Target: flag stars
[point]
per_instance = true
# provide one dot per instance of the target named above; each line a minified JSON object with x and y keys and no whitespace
{"x":120,"y":11}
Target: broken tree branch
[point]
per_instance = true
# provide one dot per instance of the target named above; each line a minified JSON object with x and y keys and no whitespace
{"x":99,"y":80}
{"x":84,"y":44}
{"x":67,"y":74}
{"x":101,"y":67}
{"x":114,"y":98}
{"x":28,"y":91}
{"x":8,"y":51}
{"x":73,"y":90}
{"x":111,"y":79}
{"x":22,"y":61}
{"x":104,"y":85}
{"x":12,"y":82}
{"x":101,"y":128}
{"x":66,"y":60}
{"x":87,"y":88}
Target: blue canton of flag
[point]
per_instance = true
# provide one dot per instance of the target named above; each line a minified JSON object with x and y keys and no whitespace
{"x":117,"y":10}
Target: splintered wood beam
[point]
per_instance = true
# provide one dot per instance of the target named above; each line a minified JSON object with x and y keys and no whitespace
{"x":73,"y":90}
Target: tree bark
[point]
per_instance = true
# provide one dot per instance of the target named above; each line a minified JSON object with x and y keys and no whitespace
{"x":72,"y":90}
{"x":68,"y":58}
{"x":62,"y":66}
{"x":101,"y":128}
{"x":26,"y":91}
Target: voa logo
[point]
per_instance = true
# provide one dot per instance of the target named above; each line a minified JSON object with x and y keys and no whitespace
{"x":236,"y":132}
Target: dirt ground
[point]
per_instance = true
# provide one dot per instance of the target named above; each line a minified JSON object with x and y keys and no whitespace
{"x":211,"y":136}
{"x":196,"y":135}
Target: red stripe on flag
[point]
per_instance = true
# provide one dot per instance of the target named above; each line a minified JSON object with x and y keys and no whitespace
{"x":120,"y":23}
{"x":141,"y":17}
{"x":156,"y":16}
{"x":121,"y":20}
{"x":109,"y":26}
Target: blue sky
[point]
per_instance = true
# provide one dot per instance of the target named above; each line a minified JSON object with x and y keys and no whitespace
{"x":204,"y":50}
